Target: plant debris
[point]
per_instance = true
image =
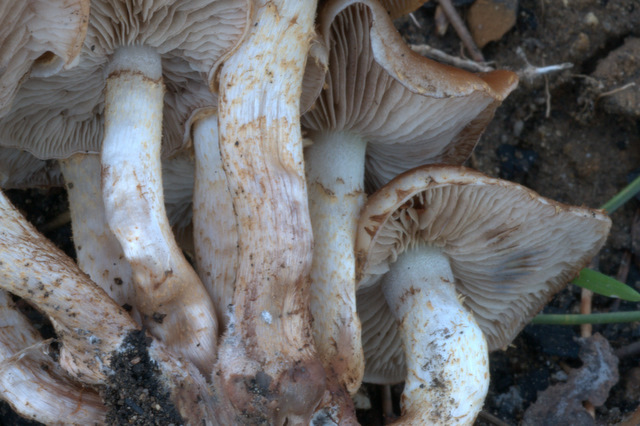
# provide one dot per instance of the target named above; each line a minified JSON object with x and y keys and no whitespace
{"x":562,"y":404}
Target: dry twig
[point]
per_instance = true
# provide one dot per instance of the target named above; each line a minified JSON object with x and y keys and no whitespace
{"x":461,"y":29}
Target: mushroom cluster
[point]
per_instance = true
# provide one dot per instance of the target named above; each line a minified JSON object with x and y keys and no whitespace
{"x":310,"y":165}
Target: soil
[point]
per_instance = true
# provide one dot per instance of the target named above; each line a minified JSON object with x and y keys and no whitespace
{"x":563,"y":134}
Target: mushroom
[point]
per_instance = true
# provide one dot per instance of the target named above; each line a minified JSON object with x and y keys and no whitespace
{"x":38,"y":38}
{"x":98,"y":252}
{"x":397,"y":8}
{"x":267,"y":362}
{"x":92,"y":329}
{"x":33,"y":383}
{"x":215,"y":237}
{"x":384,"y":109}
{"x":19,"y":169}
{"x":463,"y":261}
{"x":127,"y":44}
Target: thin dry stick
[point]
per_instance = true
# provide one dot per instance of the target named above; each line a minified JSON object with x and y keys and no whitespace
{"x":586,"y":330}
{"x":387,"y":404}
{"x":461,"y":29}
{"x":547,"y":112}
{"x":415,"y":21}
{"x":439,"y":55}
{"x":487,"y":416}
{"x":57,"y":222}
{"x":440,"y":21}
{"x":616,"y":90}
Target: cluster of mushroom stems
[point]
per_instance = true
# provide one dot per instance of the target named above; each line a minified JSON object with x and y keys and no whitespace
{"x":311,"y":165}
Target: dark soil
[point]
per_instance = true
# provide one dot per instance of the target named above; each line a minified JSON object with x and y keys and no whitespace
{"x":134,"y":395}
{"x":556,"y":134}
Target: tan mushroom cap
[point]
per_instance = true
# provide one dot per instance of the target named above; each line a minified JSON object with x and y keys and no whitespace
{"x":510,"y":251}
{"x":19,"y":169}
{"x":411,"y":110}
{"x":397,"y":8}
{"x":62,"y":115}
{"x":38,"y":37}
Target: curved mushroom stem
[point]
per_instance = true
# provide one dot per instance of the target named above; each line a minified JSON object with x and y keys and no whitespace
{"x":93,"y":329}
{"x":335,"y":174}
{"x":169,"y":293}
{"x":447,"y":356}
{"x":98,"y":252}
{"x":215,"y":231}
{"x":269,"y":346}
{"x":32,"y":383}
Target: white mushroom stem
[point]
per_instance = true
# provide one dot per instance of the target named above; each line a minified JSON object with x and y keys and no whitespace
{"x":446,"y":352}
{"x":335,"y":174}
{"x":215,"y":231}
{"x":98,"y":252}
{"x":169,"y":294}
{"x":32,"y":383}
{"x":90,"y":326}
{"x":261,"y":145}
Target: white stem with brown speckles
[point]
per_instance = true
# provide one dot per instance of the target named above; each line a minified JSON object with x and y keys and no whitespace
{"x":445,"y":350}
{"x":269,"y":341}
{"x":215,"y":232}
{"x":91,"y":327}
{"x":175,"y":305}
{"x":98,"y":252}
{"x":335,"y":172}
{"x":33,"y":383}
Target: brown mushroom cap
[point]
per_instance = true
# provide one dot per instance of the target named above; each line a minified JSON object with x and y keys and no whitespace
{"x":411,"y":110}
{"x":510,"y":251}
{"x":397,"y":8}
{"x":38,"y":37}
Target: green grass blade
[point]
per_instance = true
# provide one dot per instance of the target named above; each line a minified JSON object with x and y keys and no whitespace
{"x":574,"y":319}
{"x":605,"y":285}
{"x":622,"y":197}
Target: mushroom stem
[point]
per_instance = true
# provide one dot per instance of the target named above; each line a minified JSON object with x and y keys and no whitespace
{"x":335,"y":172}
{"x":269,"y":342}
{"x":33,"y":383}
{"x":98,"y":252}
{"x":215,"y":232}
{"x":93,"y":329}
{"x":446,"y":352}
{"x":169,"y":294}
{"x":33,"y":268}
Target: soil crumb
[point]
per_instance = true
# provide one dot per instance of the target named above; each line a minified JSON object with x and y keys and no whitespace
{"x":135,"y":394}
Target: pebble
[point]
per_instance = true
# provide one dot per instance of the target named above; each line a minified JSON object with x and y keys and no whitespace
{"x":621,"y":68}
{"x":489,"y":20}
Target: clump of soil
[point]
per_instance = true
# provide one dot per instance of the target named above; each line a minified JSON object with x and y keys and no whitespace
{"x":134,"y":394}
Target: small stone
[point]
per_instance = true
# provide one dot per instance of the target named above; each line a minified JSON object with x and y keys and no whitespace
{"x":581,"y":44}
{"x":620,"y":74}
{"x":591,"y":19}
{"x":489,"y":20}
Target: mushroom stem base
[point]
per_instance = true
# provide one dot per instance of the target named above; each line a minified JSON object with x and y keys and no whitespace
{"x":446,"y":352}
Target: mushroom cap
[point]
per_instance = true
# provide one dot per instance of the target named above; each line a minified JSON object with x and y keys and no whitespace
{"x":397,"y":8}
{"x":19,"y":169}
{"x":62,"y":115}
{"x":411,"y":110}
{"x":510,"y":251}
{"x":38,"y":37}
